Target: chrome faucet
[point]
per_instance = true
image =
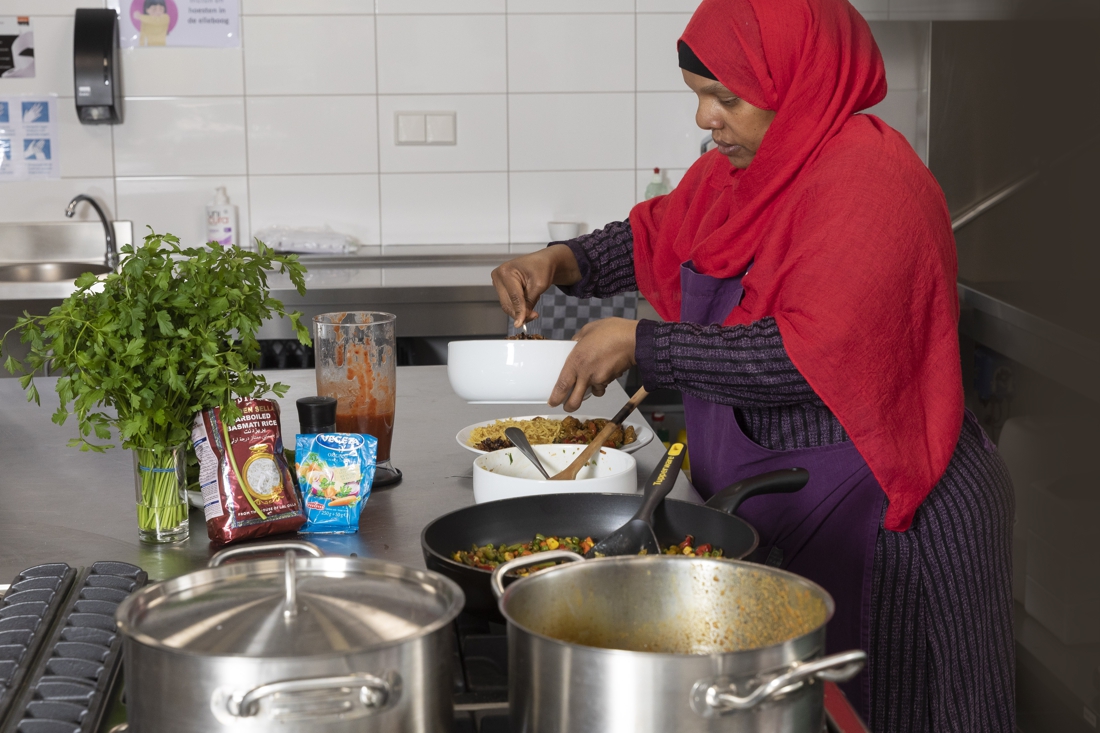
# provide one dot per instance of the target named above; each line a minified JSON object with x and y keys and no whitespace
{"x":111,"y":257}
{"x":705,"y":144}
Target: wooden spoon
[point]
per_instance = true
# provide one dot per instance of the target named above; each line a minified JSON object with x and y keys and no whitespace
{"x":570,"y":473}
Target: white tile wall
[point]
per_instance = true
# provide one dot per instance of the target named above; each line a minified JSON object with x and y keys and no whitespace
{"x":441,"y":54}
{"x":347,"y":204}
{"x":590,"y":197}
{"x":563,"y":109}
{"x":177,"y":204}
{"x":329,"y":54}
{"x":658,"y":65}
{"x":182,"y":136}
{"x":406,"y":7}
{"x":86,"y":149}
{"x":307,"y":134}
{"x":553,"y":132}
{"x":571,"y":6}
{"x":46,"y":200}
{"x":156,"y":73}
{"x":444,"y":208}
{"x":571,"y":53}
{"x":297,"y":7}
{"x":667,"y":134}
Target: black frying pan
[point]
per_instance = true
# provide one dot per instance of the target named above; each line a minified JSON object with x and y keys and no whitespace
{"x":511,"y":521}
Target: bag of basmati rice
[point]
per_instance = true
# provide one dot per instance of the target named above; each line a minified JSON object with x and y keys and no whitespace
{"x":247,"y":487}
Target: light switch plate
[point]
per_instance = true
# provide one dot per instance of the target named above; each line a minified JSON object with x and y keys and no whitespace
{"x":425,"y":128}
{"x":410,"y":128}
{"x":440,"y":127}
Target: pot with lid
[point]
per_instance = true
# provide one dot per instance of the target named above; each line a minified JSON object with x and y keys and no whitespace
{"x":291,"y":643}
{"x":665,"y":644}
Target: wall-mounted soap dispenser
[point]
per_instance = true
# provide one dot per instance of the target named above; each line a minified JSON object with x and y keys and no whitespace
{"x":96,"y":67}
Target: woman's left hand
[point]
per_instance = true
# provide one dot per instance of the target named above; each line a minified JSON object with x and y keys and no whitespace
{"x":604,"y":350}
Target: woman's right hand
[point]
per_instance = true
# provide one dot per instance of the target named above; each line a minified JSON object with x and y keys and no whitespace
{"x":521,"y":281}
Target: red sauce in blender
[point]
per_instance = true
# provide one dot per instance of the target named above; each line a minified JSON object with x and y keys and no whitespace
{"x":360,"y":406}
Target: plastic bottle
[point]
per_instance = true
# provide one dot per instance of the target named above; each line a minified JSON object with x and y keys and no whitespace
{"x":659,"y":427}
{"x":657,"y":186}
{"x":221,"y":219}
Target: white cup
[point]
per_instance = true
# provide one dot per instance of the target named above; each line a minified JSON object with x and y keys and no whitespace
{"x":561,"y":231}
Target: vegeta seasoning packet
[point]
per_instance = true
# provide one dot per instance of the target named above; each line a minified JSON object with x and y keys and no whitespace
{"x":335,"y":471}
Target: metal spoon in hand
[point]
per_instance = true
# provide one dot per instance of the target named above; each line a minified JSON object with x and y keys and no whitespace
{"x":520,"y":441}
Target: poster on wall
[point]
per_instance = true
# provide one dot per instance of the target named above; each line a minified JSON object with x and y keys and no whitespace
{"x":16,"y":48}
{"x":28,"y":138}
{"x":204,"y":23}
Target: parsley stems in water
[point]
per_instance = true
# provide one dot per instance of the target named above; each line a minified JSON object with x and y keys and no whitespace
{"x":140,"y":351}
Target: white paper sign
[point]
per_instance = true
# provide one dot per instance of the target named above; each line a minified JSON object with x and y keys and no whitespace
{"x":16,"y":48}
{"x":28,"y":138}
{"x":209,"y":23}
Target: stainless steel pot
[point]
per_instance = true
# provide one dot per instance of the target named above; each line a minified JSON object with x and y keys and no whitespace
{"x":291,"y":644}
{"x":666,"y":645}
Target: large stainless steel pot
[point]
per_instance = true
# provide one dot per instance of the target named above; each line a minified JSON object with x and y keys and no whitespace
{"x":290,"y":643}
{"x":666,"y":645}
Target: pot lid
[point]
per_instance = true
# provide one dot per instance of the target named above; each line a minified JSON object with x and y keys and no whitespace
{"x":291,"y":607}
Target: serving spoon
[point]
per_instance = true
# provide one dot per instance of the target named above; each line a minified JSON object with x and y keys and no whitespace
{"x":520,"y":441}
{"x":575,"y":467}
{"x":637,"y":534}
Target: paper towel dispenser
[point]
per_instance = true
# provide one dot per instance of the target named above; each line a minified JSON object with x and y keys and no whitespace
{"x":95,"y":67}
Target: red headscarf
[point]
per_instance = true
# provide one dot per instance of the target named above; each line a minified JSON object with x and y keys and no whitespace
{"x":847,"y":232}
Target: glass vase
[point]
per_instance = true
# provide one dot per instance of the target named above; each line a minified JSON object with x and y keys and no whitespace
{"x":160,"y":479}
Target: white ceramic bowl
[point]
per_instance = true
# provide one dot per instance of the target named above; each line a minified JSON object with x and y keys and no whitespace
{"x":505,"y":474}
{"x":506,"y":372}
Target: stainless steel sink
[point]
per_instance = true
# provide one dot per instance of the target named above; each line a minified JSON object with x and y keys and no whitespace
{"x":48,"y":272}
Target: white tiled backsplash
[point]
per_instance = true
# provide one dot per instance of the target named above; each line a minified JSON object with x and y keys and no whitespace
{"x":563,"y":109}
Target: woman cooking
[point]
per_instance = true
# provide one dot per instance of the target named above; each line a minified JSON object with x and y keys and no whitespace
{"x":805,"y":271}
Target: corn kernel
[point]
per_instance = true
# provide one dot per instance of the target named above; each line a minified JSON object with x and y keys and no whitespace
{"x":552,"y":543}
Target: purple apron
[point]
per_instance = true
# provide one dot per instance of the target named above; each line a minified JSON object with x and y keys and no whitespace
{"x":826,"y":532}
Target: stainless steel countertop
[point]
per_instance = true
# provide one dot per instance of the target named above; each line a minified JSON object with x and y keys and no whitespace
{"x":58,"y":504}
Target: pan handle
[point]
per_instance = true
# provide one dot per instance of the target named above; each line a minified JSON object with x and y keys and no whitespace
{"x":714,"y":697}
{"x":264,"y":547}
{"x":538,"y":558}
{"x":351,"y":696}
{"x":784,"y":481}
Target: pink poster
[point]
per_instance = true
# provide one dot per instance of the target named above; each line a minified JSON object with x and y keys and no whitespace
{"x":153,"y":23}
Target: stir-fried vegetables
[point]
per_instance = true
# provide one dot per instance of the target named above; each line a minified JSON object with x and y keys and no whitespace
{"x":489,"y":557}
{"x":689,"y":548}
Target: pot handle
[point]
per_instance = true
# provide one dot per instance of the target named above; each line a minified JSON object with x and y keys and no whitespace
{"x":375,"y":693}
{"x":538,"y":558}
{"x":219,"y":558}
{"x":784,"y":481}
{"x":709,"y":698}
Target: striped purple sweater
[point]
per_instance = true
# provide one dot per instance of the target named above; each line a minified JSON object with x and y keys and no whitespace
{"x":940,"y":648}
{"x":745,"y":367}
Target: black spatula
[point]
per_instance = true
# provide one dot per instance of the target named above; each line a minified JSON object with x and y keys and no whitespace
{"x":637,"y":534}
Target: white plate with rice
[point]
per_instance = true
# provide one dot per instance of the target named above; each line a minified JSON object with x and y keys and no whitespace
{"x":644,"y":433}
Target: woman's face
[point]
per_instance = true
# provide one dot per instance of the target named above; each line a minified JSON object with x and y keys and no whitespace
{"x":735,"y":125}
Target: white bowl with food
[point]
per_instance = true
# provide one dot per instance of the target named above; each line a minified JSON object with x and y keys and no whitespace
{"x":505,"y":474}
{"x":503,"y":371}
{"x":488,"y":436}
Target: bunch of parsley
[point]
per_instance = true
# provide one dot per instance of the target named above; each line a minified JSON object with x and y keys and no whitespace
{"x":170,"y":334}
